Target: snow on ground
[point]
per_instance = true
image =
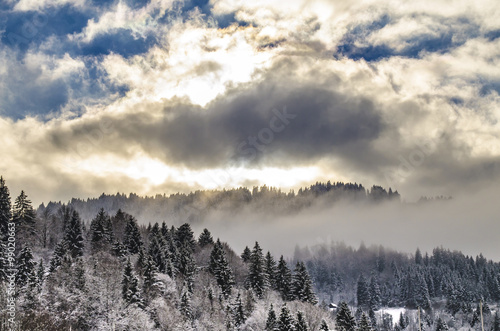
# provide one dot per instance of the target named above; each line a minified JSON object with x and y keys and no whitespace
{"x":394,"y":312}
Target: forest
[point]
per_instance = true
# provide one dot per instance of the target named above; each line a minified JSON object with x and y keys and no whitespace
{"x":113,"y":272}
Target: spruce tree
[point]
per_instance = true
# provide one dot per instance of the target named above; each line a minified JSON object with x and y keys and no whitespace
{"x":300,"y":323}
{"x":205,"y":238}
{"x":285,"y":321}
{"x":58,"y":256}
{"x":364,"y":323}
{"x":302,"y":285}
{"x":344,"y":318}
{"x":156,"y":250}
{"x":25,"y":267}
{"x":219,"y":267}
{"x":238,"y":312}
{"x":149,"y":279}
{"x":187,"y":266}
{"x":271,"y":270}
{"x":257,"y":278}
{"x":184,"y":236}
{"x":247,"y":253}
{"x":5,"y":209}
{"x":101,"y":235}
{"x":375,"y":296}
{"x":363,"y":292}
{"x":324,"y":326}
{"x":130,"y":286}
{"x":132,"y":237}
{"x":73,"y":236}
{"x":271,"y":322}
{"x":23,"y":215}
{"x":284,"y":280}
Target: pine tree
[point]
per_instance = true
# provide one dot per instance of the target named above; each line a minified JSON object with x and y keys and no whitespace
{"x":247,"y":253}
{"x":25,"y":267}
{"x":239,"y":314}
{"x":257,"y":279}
{"x":5,"y":208}
{"x":23,"y":215}
{"x":132,"y":237}
{"x":403,"y":321}
{"x":441,"y":325}
{"x":363,"y":292}
{"x":73,"y":236}
{"x":58,"y":256}
{"x":302,"y":285}
{"x":271,"y":270}
{"x":324,"y":326}
{"x":271,"y":322}
{"x":375,"y":296}
{"x":418,"y":257}
{"x":300,"y":323}
{"x":344,"y":318}
{"x":284,"y":280}
{"x":364,"y":323}
{"x":187,"y":266}
{"x":130,"y":286}
{"x":205,"y":238}
{"x":184,"y":236}
{"x":156,"y":250}
{"x":101,"y":236}
{"x":285,"y":322}
{"x":219,"y":267}
{"x":149,"y":279}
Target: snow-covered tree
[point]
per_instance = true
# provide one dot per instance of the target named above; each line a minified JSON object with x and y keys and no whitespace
{"x":272,"y":321}
{"x":205,"y":238}
{"x":302,"y":285}
{"x":219,"y":267}
{"x":101,"y":235}
{"x":364,"y":323}
{"x":130,"y":286}
{"x":25,"y":267}
{"x":132,"y":237}
{"x":344,"y":318}
{"x":5,"y":208}
{"x":257,"y":278}
{"x":247,"y":253}
{"x":300,"y":322}
{"x":73,"y":237}
{"x":363,"y":292}
{"x":285,"y":321}
{"x":284,"y":280}
{"x":23,"y":215}
{"x":375,"y":295}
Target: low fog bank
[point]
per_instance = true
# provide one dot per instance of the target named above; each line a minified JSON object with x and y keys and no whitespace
{"x":468,"y":223}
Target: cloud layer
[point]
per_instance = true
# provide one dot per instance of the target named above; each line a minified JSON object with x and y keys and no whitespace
{"x":166,"y":96}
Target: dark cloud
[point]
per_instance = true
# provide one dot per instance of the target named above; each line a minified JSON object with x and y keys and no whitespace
{"x":300,"y":122}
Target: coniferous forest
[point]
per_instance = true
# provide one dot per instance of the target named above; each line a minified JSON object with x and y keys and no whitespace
{"x":112,"y":272}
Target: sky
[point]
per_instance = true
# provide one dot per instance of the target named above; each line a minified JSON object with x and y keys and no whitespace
{"x":169,"y":96}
